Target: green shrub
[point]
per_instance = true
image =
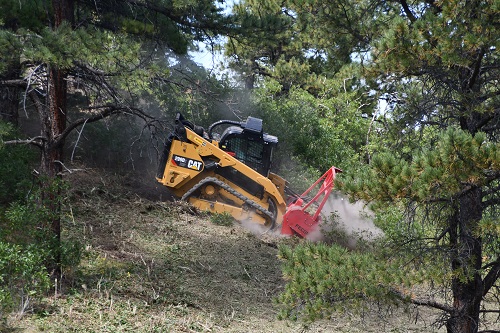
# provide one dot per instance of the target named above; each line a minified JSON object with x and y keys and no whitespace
{"x":23,"y":277}
{"x":25,"y":223}
{"x":30,"y":223}
{"x":27,"y":248}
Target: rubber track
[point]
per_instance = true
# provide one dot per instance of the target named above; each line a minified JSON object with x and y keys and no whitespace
{"x":228,"y":188}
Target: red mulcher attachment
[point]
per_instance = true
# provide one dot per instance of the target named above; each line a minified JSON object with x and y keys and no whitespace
{"x":296,"y":220}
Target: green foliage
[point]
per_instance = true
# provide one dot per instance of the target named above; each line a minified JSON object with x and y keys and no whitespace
{"x":222,"y":219}
{"x":323,"y":279}
{"x":307,"y":88}
{"x":298,"y":42}
{"x":198,"y":94}
{"x":299,"y":174}
{"x":458,"y":158}
{"x":15,"y":169}
{"x":423,"y":59}
{"x":317,"y":67}
{"x":65,"y":46}
{"x":452,"y":42}
{"x":29,"y":223}
{"x":323,"y":130}
{"x":489,"y":230}
{"x":268,"y":36}
{"x":23,"y":277}
{"x":123,"y":44}
{"x":111,"y":53}
{"x":5,"y":129}
{"x":29,"y":14}
{"x":434,"y":173}
{"x":27,"y":247}
{"x":9,"y":49}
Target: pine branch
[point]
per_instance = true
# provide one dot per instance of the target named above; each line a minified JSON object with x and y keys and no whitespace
{"x":423,"y":302}
{"x":492,"y":276}
{"x":476,"y":68}
{"x":489,"y":311}
{"x":433,"y":304}
{"x":407,"y":11}
{"x":491,"y":175}
{"x":491,"y":202}
{"x":167,"y":12}
{"x":108,"y":111}
{"x":445,"y":231}
{"x":90,"y":69}
{"x":434,"y":5}
{"x":491,"y":190}
{"x":66,"y":169}
{"x":191,"y":81}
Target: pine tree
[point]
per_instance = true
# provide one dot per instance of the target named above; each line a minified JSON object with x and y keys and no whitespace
{"x":432,"y":170}
{"x":448,"y":51}
{"x":58,"y":50}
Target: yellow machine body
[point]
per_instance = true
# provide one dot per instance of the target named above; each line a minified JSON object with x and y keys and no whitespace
{"x":196,"y":169}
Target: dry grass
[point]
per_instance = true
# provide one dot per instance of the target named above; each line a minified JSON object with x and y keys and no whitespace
{"x":152,"y":266}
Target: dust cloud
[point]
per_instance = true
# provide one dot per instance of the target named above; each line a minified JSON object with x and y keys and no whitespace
{"x":261,"y":230}
{"x":342,"y":222}
{"x":345,"y":223}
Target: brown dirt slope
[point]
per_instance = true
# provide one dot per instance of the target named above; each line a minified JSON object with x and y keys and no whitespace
{"x":154,"y":266}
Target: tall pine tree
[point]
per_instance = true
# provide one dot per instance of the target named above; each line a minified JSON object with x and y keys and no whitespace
{"x":432,"y":171}
{"x":55,"y":50}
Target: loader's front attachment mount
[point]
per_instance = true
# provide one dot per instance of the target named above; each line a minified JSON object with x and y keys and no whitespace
{"x":302,"y":215}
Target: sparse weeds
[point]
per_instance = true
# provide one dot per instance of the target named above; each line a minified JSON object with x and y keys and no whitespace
{"x":222,"y":219}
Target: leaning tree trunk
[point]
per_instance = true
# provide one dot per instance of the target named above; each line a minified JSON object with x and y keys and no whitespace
{"x":467,"y":285}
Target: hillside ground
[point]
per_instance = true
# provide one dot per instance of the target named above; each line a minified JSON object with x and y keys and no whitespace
{"x":153,"y":265}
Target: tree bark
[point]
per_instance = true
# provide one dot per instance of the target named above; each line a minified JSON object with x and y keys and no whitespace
{"x":467,"y":285}
{"x":63,"y":11}
{"x":53,"y":125}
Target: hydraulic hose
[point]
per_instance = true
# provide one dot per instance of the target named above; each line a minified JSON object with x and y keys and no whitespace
{"x":221,"y":122}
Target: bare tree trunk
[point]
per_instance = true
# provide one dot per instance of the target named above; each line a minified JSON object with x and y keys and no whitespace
{"x":467,"y":285}
{"x":64,"y":11}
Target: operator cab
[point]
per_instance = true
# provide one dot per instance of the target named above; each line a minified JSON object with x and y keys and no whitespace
{"x":250,"y":145}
